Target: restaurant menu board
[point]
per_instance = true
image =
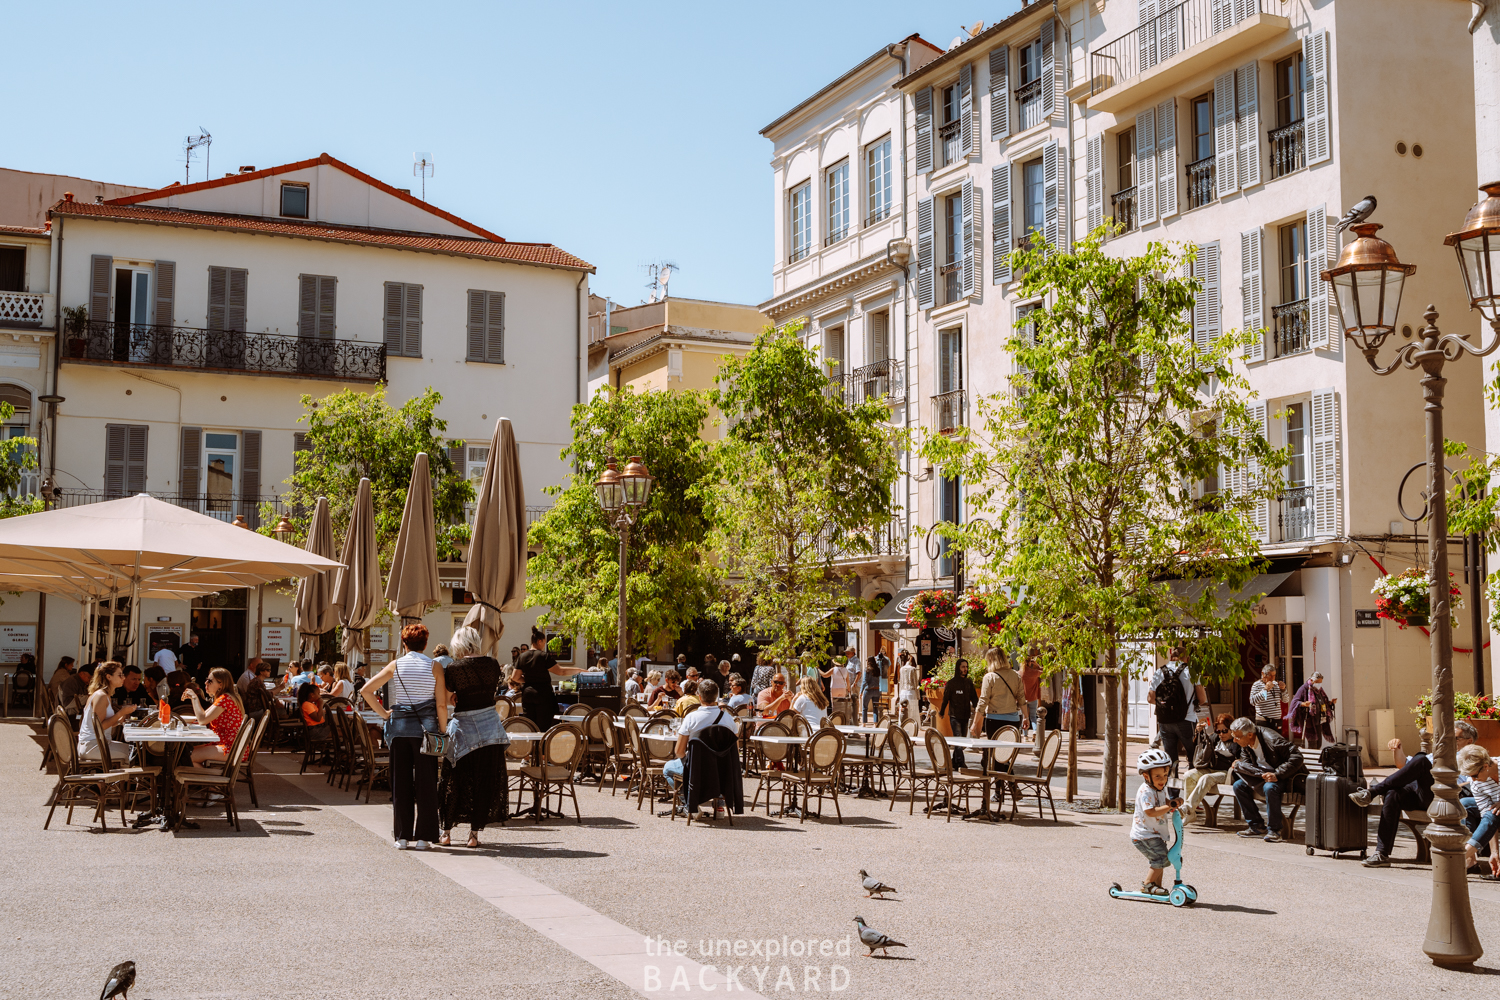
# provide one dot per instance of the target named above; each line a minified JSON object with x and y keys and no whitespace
{"x":15,"y":639}
{"x":167,"y":636}
{"x":276,"y":642}
{"x":380,"y":638}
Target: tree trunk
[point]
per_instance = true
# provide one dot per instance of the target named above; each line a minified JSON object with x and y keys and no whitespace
{"x":1107,"y":796}
{"x":1124,"y":715}
{"x":1074,"y":695}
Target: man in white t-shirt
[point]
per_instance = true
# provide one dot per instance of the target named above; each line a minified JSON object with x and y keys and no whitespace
{"x":706,"y":716}
{"x":166,"y":659}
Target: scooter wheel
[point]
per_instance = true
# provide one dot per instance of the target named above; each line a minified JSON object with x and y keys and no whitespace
{"x":1309,"y":852}
{"x":1178,"y":897}
{"x":1192,"y":894}
{"x":1115,"y":890}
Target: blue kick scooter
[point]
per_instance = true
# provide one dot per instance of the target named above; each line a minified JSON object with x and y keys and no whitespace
{"x":1182,"y":894}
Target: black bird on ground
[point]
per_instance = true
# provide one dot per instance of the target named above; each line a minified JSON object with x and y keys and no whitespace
{"x":121,"y":978}
{"x":1362,"y":210}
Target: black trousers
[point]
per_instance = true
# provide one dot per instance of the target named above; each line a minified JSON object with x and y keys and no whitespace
{"x":1409,"y":787}
{"x":960,"y":726}
{"x":414,"y":779}
{"x":1177,"y":738}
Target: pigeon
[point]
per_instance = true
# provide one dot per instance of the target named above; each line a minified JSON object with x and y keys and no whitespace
{"x":121,"y":978}
{"x":1362,"y":210}
{"x":873,"y":939}
{"x":873,"y":886}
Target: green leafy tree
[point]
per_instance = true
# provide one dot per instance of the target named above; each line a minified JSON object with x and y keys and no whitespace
{"x":1094,"y":485}
{"x":806,"y":476}
{"x":353,"y":435}
{"x":17,"y":456}
{"x":669,"y":578}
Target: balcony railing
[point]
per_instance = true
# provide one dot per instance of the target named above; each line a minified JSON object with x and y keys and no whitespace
{"x":881,"y":379}
{"x":878,"y":216}
{"x":1164,"y":36}
{"x":533,"y":514}
{"x":152,"y":346}
{"x":798,"y":254}
{"x":949,"y":274}
{"x":865,"y":546}
{"x":1287,"y":152}
{"x":1294,"y":516}
{"x":838,"y":234}
{"x":951,"y":136}
{"x":23,"y":308}
{"x":1290,"y":322}
{"x":948,"y":411}
{"x":1124,"y":208}
{"x":1200,"y":182}
{"x":1029,"y":104}
{"x":222,"y":508}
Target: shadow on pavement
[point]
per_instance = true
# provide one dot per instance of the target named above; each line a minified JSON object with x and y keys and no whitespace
{"x":1233,"y":908}
{"x":526,"y":851}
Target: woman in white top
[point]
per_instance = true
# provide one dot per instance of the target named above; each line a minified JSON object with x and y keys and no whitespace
{"x":419,"y":703}
{"x":342,"y":686}
{"x":908,"y":679}
{"x":99,"y":716}
{"x":810,"y":703}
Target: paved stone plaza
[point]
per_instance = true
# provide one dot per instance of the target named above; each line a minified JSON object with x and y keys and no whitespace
{"x":310,"y":900}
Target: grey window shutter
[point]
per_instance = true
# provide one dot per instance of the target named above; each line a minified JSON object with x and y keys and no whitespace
{"x":1318,"y":252}
{"x":1000,"y":221}
{"x":1050,"y":94}
{"x":327,"y":300}
{"x":475,"y":350}
{"x":1226,"y":140}
{"x":494,"y":328}
{"x":250,"y":477}
{"x":1221,"y":15}
{"x":880,"y":341}
{"x":1145,"y":167}
{"x":1327,"y":465}
{"x":395,"y":317}
{"x":307,"y":305}
{"x":1145,"y":36}
{"x":1051,"y":207}
{"x":1251,"y":287}
{"x":412,"y":324}
{"x":966,"y":250}
{"x":1166,"y":159}
{"x":1094,"y":188}
{"x":923,"y":101}
{"x":218,"y":298}
{"x":1207,"y":306}
{"x":456,"y":456}
{"x":101,"y":270}
{"x":1247,"y":120}
{"x":114,"y":460}
{"x":135,"y":459}
{"x":1260,"y":512}
{"x":190,"y":473}
{"x":924,"y":254}
{"x":299,"y":443}
{"x":976,"y":242}
{"x":166,"y":292}
{"x":238,"y":299}
{"x":1000,"y":92}
{"x":1316,"y":129}
{"x":1168,"y":31}
{"x":966,"y":118}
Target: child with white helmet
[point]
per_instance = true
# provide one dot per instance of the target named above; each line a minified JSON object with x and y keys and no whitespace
{"x":1153,"y":805}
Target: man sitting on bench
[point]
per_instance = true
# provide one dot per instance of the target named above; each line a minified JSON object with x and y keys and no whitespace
{"x":1266,"y":762}
{"x":1409,"y":788}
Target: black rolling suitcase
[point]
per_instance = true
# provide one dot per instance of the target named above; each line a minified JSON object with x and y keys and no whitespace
{"x":1332,"y":822}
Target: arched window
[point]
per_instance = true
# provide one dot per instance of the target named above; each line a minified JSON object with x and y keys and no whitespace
{"x":18,"y":396}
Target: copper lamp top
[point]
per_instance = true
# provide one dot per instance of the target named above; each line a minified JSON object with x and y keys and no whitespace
{"x":1369,"y":253}
{"x":1485,"y":215}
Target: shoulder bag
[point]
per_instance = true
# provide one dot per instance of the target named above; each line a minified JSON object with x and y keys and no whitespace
{"x":434,"y":744}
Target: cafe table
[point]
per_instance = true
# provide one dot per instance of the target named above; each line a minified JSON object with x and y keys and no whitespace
{"x":866,"y":790}
{"x":988,"y":747}
{"x":173,"y":741}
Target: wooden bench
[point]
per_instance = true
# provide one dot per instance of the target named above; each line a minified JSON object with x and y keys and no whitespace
{"x":1215,"y":799}
{"x":1416,"y":821}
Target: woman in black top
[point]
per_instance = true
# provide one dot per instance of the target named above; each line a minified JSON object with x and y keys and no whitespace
{"x":538,"y":667}
{"x":959,"y":699}
{"x":471,"y":776}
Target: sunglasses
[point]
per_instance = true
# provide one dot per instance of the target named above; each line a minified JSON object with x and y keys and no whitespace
{"x":1222,"y":732}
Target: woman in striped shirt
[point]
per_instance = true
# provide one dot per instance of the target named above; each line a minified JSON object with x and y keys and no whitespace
{"x":419,"y":703}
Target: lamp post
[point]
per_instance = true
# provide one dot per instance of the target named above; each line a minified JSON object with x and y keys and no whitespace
{"x":621,"y":497}
{"x":1367,"y":283}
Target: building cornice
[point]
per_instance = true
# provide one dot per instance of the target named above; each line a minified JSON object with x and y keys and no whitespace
{"x":841,"y":280}
{"x":681,"y":337}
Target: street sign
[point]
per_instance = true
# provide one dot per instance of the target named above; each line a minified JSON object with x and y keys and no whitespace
{"x":1366,"y":618}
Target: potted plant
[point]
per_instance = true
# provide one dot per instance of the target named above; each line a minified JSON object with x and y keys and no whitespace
{"x":1403,"y":597}
{"x":1481,"y":711}
{"x":932,"y":609}
{"x":76,"y":329}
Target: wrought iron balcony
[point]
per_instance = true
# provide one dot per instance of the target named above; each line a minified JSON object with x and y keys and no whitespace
{"x":221,"y":507}
{"x":798,"y":254}
{"x":1124,"y":206}
{"x":1029,"y":104}
{"x":951,"y":137}
{"x":153,"y":346}
{"x":1200,"y":182}
{"x":24,"y":308}
{"x":1291,"y":335}
{"x":869,"y":546}
{"x":1160,"y":38}
{"x":1294,"y":517}
{"x":948,"y":411}
{"x":950,"y":276}
{"x":881,"y":379}
{"x":1287,"y":151}
{"x":842,"y":232}
{"x":878,"y":216}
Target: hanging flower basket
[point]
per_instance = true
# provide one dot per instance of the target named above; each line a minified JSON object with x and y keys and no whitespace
{"x":985,"y":612}
{"x":1403,"y":597}
{"x":932,"y":609}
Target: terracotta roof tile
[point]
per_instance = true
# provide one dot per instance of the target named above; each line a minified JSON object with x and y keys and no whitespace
{"x":25,"y":230}
{"x":523,"y":253}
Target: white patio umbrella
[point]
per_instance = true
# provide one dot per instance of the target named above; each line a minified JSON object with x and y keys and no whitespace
{"x":497,"y":551}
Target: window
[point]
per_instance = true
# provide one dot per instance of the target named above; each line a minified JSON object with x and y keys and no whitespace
{"x":1033,"y":197}
{"x":124,"y":460}
{"x":953,"y":231}
{"x":1124,"y":196}
{"x":800,"y":206}
{"x":1290,"y":316}
{"x":1200,"y":170}
{"x":878,"y":181}
{"x":486,"y":330}
{"x":12,"y":269}
{"x":1025,"y":330}
{"x":1287,"y":150}
{"x":838,"y":203}
{"x":403,"y":320}
{"x":220,"y":466}
{"x":317,"y":306}
{"x":478,"y":457}
{"x":294,"y":201}
{"x":1029,"y":93}
{"x":880,"y":336}
{"x":227,"y":298}
{"x":1296,"y":514}
{"x":950,"y":360}
{"x":1209,"y":485}
{"x":1294,"y":261}
{"x":949,"y":499}
{"x":951,"y":130}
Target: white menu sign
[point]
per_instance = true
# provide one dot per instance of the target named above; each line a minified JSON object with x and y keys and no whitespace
{"x":16,"y":639}
{"x":276,"y":642}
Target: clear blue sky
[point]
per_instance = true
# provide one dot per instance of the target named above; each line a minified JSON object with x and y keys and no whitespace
{"x":624,"y":133}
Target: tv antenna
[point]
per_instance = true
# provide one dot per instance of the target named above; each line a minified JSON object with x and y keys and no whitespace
{"x":423,"y":166}
{"x":661,"y":273}
{"x":191,"y":143}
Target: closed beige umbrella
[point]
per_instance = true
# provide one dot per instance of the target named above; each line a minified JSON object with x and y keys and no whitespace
{"x":497,"y":552}
{"x":356,"y":588}
{"x":412,"y":586}
{"x":315,"y":612}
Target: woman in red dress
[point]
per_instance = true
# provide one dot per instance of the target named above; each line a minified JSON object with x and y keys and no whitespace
{"x":224,"y":715}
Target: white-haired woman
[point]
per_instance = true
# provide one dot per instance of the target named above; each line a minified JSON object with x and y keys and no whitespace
{"x":471,"y":777}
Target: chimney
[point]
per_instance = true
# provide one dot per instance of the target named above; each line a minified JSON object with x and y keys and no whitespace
{"x":247,"y":170}
{"x":67,"y":196}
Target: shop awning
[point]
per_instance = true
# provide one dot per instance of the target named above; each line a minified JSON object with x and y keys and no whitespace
{"x":893,"y":615}
{"x":1260,"y":584}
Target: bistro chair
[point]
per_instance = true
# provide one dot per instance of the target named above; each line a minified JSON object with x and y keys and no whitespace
{"x":372,"y":763}
{"x":904,"y":769}
{"x":835,"y":719}
{"x":71,"y":784}
{"x":648,"y":771}
{"x":619,"y":761}
{"x":504,"y":709}
{"x":820,"y":770}
{"x":596,"y":727}
{"x":774,"y":757}
{"x":579,"y":710}
{"x":42,"y":731}
{"x":945,"y":779}
{"x":142,"y":779}
{"x":194,"y":777}
{"x":1041,"y":782}
{"x":517,"y":755}
{"x":562,"y":749}
{"x":636,"y":709}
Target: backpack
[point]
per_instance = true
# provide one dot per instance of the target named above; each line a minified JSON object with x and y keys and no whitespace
{"x":1171,"y":703}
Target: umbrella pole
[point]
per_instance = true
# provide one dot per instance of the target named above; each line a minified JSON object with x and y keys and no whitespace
{"x":113,"y":596}
{"x":134,"y":621}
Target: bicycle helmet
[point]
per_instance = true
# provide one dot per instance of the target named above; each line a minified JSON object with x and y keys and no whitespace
{"x":1153,"y":757}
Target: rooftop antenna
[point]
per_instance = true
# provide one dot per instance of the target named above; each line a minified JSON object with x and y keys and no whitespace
{"x":661,"y":273}
{"x":423,"y":166}
{"x":191,"y":143}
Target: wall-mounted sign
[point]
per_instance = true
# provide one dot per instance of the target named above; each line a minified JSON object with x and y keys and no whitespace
{"x":16,"y":638}
{"x":1366,"y":618}
{"x":276,"y":642}
{"x":380,"y":638}
{"x":159,"y":637}
{"x":163,"y":618}
{"x":273,"y":619}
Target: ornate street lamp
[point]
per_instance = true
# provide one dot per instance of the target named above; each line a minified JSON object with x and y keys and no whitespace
{"x":621,"y":497}
{"x":283,"y":529}
{"x":1367,"y":284}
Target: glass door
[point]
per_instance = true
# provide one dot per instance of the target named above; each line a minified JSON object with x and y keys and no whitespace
{"x":221,"y":469}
